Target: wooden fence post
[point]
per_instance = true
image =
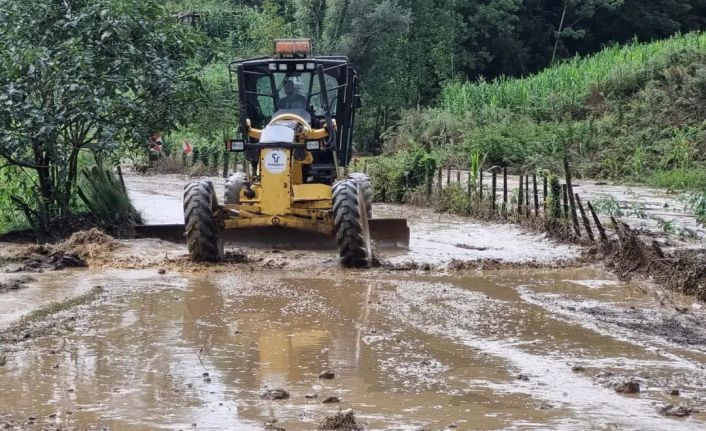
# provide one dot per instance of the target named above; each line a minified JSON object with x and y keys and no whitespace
{"x":528,"y":211}
{"x":520,"y":197}
{"x":546,"y":190}
{"x":565,"y":196}
{"x":586,"y":223}
{"x":458,"y":176}
{"x":439,"y":178}
{"x":597,"y":221}
{"x":572,"y":204}
{"x":480,"y":184}
{"x":448,"y":176}
{"x":494,"y":187}
{"x":505,"y":192}
{"x":226,"y":162}
{"x":469,"y":191}
{"x":536,"y":196}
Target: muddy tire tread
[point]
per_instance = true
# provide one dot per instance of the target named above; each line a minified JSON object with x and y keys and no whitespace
{"x":350,"y":232}
{"x":366,"y":186}
{"x":202,"y":233}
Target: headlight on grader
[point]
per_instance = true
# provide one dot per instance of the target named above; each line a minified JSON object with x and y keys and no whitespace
{"x":232,"y":145}
{"x":312,"y":145}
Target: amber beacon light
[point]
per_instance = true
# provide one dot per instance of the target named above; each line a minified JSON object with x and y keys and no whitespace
{"x":292,"y":47}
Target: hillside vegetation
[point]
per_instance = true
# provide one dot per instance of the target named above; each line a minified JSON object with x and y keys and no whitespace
{"x":87,"y":83}
{"x":634,"y":113}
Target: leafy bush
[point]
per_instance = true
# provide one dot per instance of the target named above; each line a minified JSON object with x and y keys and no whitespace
{"x":397,"y":175}
{"x":453,"y":199}
{"x":15,"y":182}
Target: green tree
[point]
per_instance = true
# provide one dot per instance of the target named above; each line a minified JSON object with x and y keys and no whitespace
{"x":373,"y":35}
{"x":84,"y":75}
{"x":573,"y":12}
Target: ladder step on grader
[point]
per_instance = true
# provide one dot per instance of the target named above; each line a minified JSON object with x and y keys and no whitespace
{"x":296,"y":133}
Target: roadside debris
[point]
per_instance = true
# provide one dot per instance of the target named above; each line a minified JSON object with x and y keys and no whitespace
{"x":343,"y":421}
{"x":272,"y":426}
{"x":274,"y":394}
{"x":628,"y":387}
{"x":16,"y":283}
{"x":328,"y":375}
{"x":56,"y":261}
{"x":676,"y":411}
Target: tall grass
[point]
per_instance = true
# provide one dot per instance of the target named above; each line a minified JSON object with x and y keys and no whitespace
{"x":568,"y":83}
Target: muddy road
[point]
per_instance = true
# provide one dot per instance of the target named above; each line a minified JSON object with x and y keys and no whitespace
{"x":529,"y":337}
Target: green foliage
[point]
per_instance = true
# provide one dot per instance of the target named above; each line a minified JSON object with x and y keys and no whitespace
{"x":609,"y":205}
{"x":554,"y":202}
{"x":453,"y":199}
{"x":697,"y":202}
{"x":107,"y":201}
{"x":15,"y":182}
{"x":679,"y":179}
{"x":617,"y":69}
{"x":633,"y":112}
{"x":636,"y":209}
{"x":394,"y":177}
{"x":85,"y":76}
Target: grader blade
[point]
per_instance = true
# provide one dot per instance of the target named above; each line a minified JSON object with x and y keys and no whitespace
{"x":387,"y":233}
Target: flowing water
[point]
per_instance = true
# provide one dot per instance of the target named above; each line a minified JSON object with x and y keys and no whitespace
{"x":195,"y":347}
{"x":479,"y":351}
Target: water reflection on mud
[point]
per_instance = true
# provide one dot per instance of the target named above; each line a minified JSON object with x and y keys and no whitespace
{"x":479,"y":351}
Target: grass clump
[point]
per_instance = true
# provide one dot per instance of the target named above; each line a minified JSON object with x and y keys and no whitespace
{"x":108,"y":202}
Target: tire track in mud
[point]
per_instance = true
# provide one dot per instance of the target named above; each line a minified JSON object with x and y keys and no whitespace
{"x":467,"y":317}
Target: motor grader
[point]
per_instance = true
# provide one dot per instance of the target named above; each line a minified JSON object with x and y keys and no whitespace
{"x":296,"y":117}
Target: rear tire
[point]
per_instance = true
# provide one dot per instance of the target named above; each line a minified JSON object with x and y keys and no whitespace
{"x":351,"y":221}
{"x":234,"y":184}
{"x":366,"y":187}
{"x":203,"y":235}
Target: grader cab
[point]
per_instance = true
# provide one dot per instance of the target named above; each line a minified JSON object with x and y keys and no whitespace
{"x":296,"y":124}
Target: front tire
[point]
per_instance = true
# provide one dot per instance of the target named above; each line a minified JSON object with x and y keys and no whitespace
{"x":366,"y":187}
{"x":203,"y":235}
{"x":351,"y":221}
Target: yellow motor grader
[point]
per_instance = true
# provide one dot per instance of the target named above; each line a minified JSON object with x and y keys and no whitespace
{"x":296,"y":132}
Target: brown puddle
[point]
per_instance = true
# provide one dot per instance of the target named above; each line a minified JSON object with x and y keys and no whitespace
{"x":407,"y":350}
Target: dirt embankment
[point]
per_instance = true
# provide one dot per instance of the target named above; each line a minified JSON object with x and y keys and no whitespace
{"x":80,"y":248}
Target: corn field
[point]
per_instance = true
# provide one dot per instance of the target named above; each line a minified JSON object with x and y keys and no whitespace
{"x":568,"y":83}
